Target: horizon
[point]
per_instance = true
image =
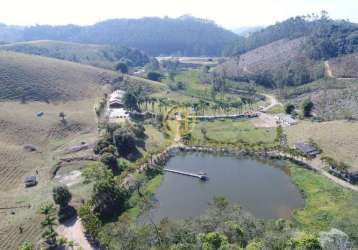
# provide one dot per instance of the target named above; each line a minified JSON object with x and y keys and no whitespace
{"x":229,"y":14}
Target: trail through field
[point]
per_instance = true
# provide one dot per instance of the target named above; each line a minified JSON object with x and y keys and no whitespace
{"x":74,"y":231}
{"x":273,"y":102}
{"x":328,"y":69}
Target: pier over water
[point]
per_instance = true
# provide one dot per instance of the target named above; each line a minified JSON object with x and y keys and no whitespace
{"x":201,"y":176}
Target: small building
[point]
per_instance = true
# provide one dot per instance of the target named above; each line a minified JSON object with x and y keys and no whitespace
{"x":306,"y":149}
{"x":116,"y":99}
{"x":30,"y":181}
{"x":118,"y":113}
{"x":285,"y":120}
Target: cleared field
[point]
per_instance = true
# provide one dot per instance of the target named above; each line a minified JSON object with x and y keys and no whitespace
{"x":19,"y":126}
{"x":267,"y":57}
{"x":233,"y":131}
{"x":345,"y":66}
{"x":338,"y":139}
{"x":333,"y":98}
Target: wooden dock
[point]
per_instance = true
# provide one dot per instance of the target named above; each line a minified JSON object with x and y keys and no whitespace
{"x":202,"y":177}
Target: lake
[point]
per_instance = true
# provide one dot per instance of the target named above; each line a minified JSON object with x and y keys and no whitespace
{"x":260,"y":188}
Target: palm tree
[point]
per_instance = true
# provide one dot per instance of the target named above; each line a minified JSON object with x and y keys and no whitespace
{"x":49,"y":223}
{"x":153,"y":101}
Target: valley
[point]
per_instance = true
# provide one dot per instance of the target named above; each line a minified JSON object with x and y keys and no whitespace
{"x":95,"y":120}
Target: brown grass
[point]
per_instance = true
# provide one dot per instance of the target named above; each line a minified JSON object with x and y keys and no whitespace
{"x":20,"y":125}
{"x":49,"y":79}
{"x":338,"y":139}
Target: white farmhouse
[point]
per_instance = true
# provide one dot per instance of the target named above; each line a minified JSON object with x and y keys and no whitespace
{"x":116,"y":108}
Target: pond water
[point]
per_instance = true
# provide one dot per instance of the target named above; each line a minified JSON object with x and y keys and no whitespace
{"x":265,"y":191}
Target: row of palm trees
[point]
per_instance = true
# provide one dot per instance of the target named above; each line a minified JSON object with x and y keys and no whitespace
{"x":149,"y":103}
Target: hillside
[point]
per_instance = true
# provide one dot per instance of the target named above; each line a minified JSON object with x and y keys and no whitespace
{"x":326,"y":37}
{"x":103,"y":56}
{"x":344,"y":66}
{"x":45,"y":79}
{"x":187,"y":36}
{"x":295,"y":52}
{"x":268,"y":57}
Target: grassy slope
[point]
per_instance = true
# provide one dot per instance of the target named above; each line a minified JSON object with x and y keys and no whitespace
{"x":338,"y":139}
{"x":326,"y":203}
{"x":49,"y":79}
{"x":71,"y":88}
{"x":50,"y":137}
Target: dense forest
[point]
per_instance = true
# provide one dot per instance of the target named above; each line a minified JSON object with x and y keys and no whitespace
{"x":105,"y":56}
{"x":185,"y":35}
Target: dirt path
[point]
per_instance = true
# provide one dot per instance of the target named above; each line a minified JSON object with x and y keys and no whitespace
{"x":328,"y":69}
{"x":74,"y":231}
{"x":273,"y":102}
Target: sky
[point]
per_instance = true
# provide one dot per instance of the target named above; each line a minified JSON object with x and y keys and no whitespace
{"x":226,"y":13}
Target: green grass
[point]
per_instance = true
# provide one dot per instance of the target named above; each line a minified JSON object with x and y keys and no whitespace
{"x":325,"y":202}
{"x":137,"y":202}
{"x":233,"y":131}
{"x":276,"y":109}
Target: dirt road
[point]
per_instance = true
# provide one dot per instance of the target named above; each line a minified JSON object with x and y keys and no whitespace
{"x":328,"y":69}
{"x":74,"y":231}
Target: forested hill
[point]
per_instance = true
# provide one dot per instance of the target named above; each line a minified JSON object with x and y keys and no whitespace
{"x":103,"y":56}
{"x":185,"y":35}
{"x":326,"y":38}
{"x":293,"y":52}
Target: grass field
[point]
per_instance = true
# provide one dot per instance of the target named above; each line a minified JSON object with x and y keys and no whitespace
{"x":338,"y":139}
{"x":233,"y":131}
{"x":327,"y":205}
{"x":19,"y":126}
{"x":276,"y":109}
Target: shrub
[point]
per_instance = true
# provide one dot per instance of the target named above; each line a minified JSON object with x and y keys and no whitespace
{"x":122,"y":67}
{"x":307,"y":107}
{"x":289,"y":108}
{"x":61,"y":196}
{"x":26,"y":246}
{"x":110,"y":161}
{"x":90,"y":221}
{"x":154,"y":76}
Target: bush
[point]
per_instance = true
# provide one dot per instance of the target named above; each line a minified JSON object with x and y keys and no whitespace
{"x":90,"y":221}
{"x":307,"y":107}
{"x":289,"y":108}
{"x":66,"y":213}
{"x":122,"y":67}
{"x":26,"y":246}
{"x":154,"y":76}
{"x":61,"y":196}
{"x":110,"y":161}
